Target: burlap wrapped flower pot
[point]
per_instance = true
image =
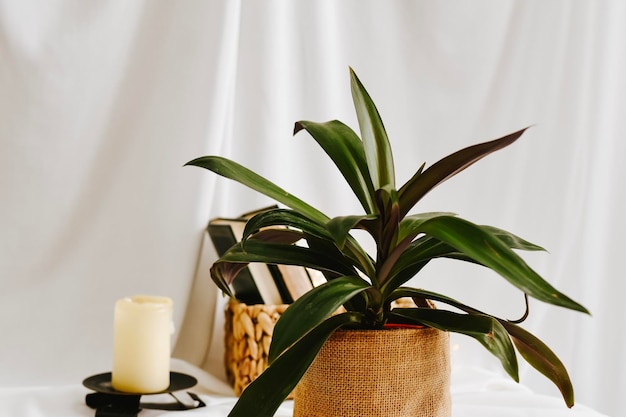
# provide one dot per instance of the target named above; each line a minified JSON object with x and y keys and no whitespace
{"x":378,"y":373}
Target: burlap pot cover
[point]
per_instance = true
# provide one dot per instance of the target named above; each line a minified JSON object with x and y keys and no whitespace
{"x":378,"y":373}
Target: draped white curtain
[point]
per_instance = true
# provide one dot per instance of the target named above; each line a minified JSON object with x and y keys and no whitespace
{"x":101,"y":103}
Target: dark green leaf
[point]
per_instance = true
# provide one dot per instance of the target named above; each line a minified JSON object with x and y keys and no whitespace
{"x":400,"y":277}
{"x":377,"y":147}
{"x":486,"y":329}
{"x":339,"y":227}
{"x":387,"y":235}
{"x":488,"y":249}
{"x":234,"y":171}
{"x":343,"y":146}
{"x":255,"y":250}
{"x":411,"y":260}
{"x":533,"y":350}
{"x":409,"y":227}
{"x":352,"y":251}
{"x":414,"y":257}
{"x":281,"y":218}
{"x":311,"y":309}
{"x":430,"y":295}
{"x":285,"y":219}
{"x":223,"y":275}
{"x":537,"y":354}
{"x":513,"y":241}
{"x":278,"y":235}
{"x":422,"y":182}
{"x":286,"y":370}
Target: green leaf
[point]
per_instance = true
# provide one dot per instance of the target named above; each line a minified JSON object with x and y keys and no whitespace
{"x":312,"y":308}
{"x":375,"y":140}
{"x":486,"y":329}
{"x":255,"y":250}
{"x":433,"y":296}
{"x":352,"y":252}
{"x":397,"y":278}
{"x":533,"y":350}
{"x":409,"y":260}
{"x":339,"y":227}
{"x":422,"y":182}
{"x":286,"y":370}
{"x":409,"y":227}
{"x":281,"y":218}
{"x":537,"y":354}
{"x":387,"y":235}
{"x":232,"y":170}
{"x":513,"y":241}
{"x":489,"y":250}
{"x":278,"y":235}
{"x":224,"y":274}
{"x":284,"y":218}
{"x":344,"y":147}
{"x":415,"y":256}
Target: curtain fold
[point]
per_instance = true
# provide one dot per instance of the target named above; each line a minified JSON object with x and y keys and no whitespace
{"x":102,"y":104}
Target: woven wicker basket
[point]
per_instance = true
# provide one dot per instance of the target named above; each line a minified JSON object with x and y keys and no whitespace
{"x":248,"y":334}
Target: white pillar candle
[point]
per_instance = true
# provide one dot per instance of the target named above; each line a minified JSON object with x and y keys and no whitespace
{"x":141,"y":344}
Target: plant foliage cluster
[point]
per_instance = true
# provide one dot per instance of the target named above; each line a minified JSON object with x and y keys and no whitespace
{"x":366,"y":285}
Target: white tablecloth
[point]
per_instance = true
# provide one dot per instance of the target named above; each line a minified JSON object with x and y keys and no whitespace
{"x":475,"y":393}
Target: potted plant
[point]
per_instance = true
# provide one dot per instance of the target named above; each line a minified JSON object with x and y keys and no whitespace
{"x":364,"y":284}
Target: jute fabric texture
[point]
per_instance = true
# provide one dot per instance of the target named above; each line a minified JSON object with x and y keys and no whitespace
{"x":378,"y":373}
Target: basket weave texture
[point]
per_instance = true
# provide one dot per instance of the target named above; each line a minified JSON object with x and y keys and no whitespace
{"x":247,"y":338}
{"x":378,"y":373}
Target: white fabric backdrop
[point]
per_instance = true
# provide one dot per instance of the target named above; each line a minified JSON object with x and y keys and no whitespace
{"x":102,"y":103}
